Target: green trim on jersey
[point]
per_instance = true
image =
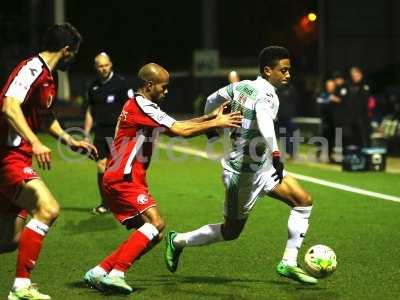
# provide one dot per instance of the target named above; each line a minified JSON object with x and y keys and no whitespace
{"x":246,"y":112}
{"x":229,"y":90}
{"x":245,"y":98}
{"x":232,"y":196}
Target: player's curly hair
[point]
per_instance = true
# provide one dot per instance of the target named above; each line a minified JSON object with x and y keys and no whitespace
{"x":60,"y":35}
{"x":269,"y":56}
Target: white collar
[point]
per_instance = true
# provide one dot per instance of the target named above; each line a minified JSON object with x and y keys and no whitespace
{"x":266,"y":82}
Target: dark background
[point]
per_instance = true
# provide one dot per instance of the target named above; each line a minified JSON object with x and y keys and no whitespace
{"x":364,"y":33}
{"x":134,"y":32}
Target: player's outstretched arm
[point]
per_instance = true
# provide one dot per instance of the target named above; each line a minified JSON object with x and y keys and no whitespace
{"x":82,"y":147}
{"x":211,"y":115}
{"x":12,"y":112}
{"x":192,"y":128}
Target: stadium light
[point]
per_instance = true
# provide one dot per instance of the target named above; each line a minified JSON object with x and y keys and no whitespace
{"x":312,"y":17}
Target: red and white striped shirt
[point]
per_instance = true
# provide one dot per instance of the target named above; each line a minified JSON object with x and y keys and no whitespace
{"x":31,"y":83}
{"x":138,"y":127}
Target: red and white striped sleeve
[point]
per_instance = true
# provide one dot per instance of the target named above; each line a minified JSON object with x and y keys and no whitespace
{"x":152,"y":115}
{"x":23,"y":78}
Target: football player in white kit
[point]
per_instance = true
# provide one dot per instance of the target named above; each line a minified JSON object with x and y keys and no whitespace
{"x":253,"y":168}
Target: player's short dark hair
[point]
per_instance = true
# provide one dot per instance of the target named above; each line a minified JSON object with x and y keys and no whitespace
{"x":269,"y":56}
{"x":60,"y":35}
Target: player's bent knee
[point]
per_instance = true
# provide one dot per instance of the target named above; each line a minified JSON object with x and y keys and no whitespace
{"x":48,"y":212}
{"x":305,"y":200}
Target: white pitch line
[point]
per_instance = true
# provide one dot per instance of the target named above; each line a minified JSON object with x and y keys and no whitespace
{"x":322,"y":182}
{"x":346,"y":188}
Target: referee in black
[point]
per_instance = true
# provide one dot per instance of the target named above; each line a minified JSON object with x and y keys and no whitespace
{"x":105,"y":98}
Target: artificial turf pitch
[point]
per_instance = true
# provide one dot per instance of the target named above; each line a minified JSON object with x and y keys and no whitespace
{"x":363,"y":231}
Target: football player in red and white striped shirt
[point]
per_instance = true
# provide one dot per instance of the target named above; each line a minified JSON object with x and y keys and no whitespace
{"x":124,"y":182}
{"x":26,"y":101}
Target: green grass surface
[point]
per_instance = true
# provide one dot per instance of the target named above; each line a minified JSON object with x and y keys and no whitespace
{"x":363,"y":231}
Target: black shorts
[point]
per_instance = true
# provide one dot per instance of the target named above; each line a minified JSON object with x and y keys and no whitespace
{"x":102,"y":140}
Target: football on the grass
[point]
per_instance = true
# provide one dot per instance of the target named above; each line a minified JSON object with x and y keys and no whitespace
{"x":320,"y":261}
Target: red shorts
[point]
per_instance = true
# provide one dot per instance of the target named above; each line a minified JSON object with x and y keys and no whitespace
{"x":127,"y":201}
{"x":15,"y":168}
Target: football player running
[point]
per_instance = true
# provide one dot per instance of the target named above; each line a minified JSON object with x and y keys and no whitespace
{"x":253,"y":168}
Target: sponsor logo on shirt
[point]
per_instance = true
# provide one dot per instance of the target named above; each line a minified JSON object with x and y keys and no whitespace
{"x":25,"y":87}
{"x":33,"y":71}
{"x":161,"y":117}
{"x":142,"y":199}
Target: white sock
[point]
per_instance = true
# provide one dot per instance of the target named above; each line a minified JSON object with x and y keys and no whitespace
{"x":297,"y":229}
{"x":117,"y":273}
{"x":149,"y":230}
{"x":205,"y":235}
{"x":99,"y":271}
{"x":38,"y":227}
{"x":20,"y":283}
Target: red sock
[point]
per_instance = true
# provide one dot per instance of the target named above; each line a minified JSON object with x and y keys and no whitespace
{"x":134,"y":246}
{"x":108,"y":263}
{"x":30,"y":245}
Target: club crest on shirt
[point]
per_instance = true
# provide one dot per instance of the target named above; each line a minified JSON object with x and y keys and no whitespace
{"x":142,"y":199}
{"x":28,"y":170}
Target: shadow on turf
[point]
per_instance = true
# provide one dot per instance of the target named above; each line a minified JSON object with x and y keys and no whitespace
{"x":77,"y":209}
{"x":91,"y":224}
{"x":308,"y":292}
{"x":83,"y":286}
{"x":166,"y":280}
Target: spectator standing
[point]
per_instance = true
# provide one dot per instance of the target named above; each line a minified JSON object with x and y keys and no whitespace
{"x":358,"y":127}
{"x":324,"y":100}
{"x":339,"y":102}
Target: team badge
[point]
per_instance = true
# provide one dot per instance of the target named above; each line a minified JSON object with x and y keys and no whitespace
{"x":142,"y":199}
{"x":28,"y":170}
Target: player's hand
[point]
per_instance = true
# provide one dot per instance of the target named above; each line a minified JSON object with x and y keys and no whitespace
{"x":42,"y":155}
{"x":229,"y":120}
{"x":278,"y":165}
{"x":85,"y":148}
{"x":223,"y":108}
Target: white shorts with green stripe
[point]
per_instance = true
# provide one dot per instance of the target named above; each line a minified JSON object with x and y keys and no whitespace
{"x":243,"y":190}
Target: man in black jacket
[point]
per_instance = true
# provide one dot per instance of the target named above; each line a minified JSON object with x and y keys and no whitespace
{"x":359,"y":93}
{"x":105,"y":98}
